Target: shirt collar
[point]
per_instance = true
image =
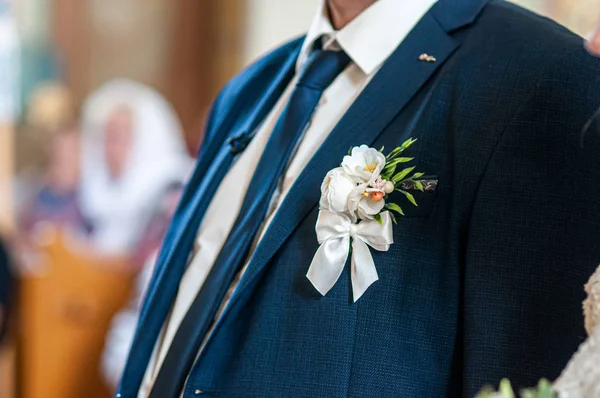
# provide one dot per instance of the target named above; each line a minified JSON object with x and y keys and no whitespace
{"x":372,"y":36}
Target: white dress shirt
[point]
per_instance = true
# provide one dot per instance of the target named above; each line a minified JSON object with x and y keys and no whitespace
{"x":368,"y":40}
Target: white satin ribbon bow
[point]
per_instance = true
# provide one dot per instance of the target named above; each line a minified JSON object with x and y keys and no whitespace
{"x":334,"y":231}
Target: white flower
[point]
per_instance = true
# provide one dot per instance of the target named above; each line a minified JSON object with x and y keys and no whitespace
{"x":591,"y":305}
{"x":361,"y":205}
{"x":581,"y":377}
{"x":379,"y":184}
{"x":335,"y":190}
{"x":364,"y":164}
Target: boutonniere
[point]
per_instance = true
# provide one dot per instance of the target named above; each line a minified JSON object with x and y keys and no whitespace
{"x":355,"y":213}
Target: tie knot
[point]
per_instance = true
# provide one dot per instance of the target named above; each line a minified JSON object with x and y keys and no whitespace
{"x":322,"y":67}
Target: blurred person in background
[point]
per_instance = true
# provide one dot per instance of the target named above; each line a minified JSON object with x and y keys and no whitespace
{"x":133,"y":150}
{"x":50,"y":110}
{"x":49,"y":196}
{"x":133,"y":162}
{"x":56,"y":200}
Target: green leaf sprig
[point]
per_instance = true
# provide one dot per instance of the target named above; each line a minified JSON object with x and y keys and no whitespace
{"x":393,"y":161}
{"x":543,"y":390}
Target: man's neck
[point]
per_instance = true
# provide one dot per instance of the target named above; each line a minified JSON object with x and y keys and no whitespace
{"x":342,"y":12}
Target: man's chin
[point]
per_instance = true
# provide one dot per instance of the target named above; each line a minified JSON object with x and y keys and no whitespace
{"x":593,"y":49}
{"x":593,"y":45}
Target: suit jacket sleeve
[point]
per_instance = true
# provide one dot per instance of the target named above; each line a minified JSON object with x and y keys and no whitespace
{"x":533,"y":238}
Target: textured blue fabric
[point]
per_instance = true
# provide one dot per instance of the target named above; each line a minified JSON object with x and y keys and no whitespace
{"x":180,"y":236}
{"x":485,"y":277}
{"x":321,"y":68}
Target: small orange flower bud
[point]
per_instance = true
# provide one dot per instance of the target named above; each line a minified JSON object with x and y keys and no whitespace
{"x":376,"y":196}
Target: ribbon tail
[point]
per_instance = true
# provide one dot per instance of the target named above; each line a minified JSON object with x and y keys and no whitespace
{"x":363,"y":270}
{"x":328,"y":263}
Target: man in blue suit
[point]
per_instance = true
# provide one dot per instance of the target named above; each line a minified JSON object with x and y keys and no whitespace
{"x":484,"y":279}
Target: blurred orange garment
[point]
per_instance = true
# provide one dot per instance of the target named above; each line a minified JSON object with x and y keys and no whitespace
{"x":65,"y":311}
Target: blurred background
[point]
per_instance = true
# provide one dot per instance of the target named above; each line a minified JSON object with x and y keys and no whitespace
{"x":102,"y":104}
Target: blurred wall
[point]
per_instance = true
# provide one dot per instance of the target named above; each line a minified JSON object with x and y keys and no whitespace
{"x":577,"y":15}
{"x":167,"y":44}
{"x":270,"y":23}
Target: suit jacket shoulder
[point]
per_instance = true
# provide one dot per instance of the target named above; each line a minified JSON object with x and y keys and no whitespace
{"x":530,"y":43}
{"x":240,"y":94}
{"x":511,"y":59}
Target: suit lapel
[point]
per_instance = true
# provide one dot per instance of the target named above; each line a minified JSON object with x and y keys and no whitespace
{"x":202,"y":174}
{"x":174,"y":254}
{"x":399,"y":79}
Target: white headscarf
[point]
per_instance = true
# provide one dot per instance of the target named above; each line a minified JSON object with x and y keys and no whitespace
{"x":119,"y":210}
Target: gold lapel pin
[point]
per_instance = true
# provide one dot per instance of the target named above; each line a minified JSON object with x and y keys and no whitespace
{"x":427,"y":58}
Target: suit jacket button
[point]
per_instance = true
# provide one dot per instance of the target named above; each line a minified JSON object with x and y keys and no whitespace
{"x":198,"y":392}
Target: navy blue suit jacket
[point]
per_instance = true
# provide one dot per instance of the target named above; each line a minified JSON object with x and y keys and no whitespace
{"x":485,"y":278}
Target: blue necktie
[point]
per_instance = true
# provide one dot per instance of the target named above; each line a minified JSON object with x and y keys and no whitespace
{"x":321,"y":68}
